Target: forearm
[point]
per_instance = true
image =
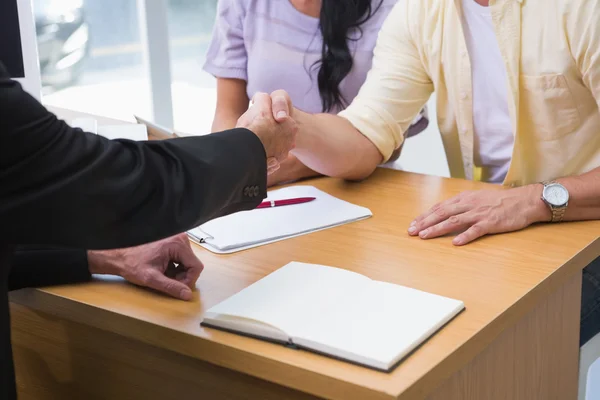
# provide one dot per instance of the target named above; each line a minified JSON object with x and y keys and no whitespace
{"x":224,"y":121}
{"x":291,"y":169}
{"x":584,"y":198}
{"x":87,"y":188}
{"x":330,"y":145}
{"x":106,"y":262}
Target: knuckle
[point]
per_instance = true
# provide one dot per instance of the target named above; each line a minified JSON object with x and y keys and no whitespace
{"x":493,"y":218}
{"x":440,"y":212}
{"x":280,"y":93}
{"x":454,"y":220}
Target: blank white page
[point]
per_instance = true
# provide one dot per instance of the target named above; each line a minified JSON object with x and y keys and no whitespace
{"x":261,"y":226}
{"x":291,"y":297}
{"x":379,"y":325}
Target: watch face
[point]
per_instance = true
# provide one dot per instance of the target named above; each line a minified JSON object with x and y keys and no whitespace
{"x":556,"y":195}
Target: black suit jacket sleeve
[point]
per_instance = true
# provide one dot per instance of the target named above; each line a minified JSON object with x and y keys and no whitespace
{"x":61,"y":186}
{"x":35,"y":266}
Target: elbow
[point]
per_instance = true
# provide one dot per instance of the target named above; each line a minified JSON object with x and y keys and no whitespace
{"x":365,"y":159}
{"x":363,"y":166}
{"x":358,"y":174}
{"x":364,"y":163}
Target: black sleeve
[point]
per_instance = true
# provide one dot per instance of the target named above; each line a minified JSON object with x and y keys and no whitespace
{"x":61,"y":186}
{"x":35,"y":266}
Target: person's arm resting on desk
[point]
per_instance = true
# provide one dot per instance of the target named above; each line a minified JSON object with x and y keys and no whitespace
{"x":352,"y":144}
{"x":36,"y":266}
{"x":151,"y":265}
{"x":488,"y":212}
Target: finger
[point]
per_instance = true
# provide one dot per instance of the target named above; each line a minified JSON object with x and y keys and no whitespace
{"x":436,"y":215}
{"x":289,"y":130}
{"x":453,"y":224}
{"x":281,"y":105}
{"x":474,"y":232}
{"x":444,"y":203}
{"x":154,"y":279}
{"x":260,"y":97}
{"x":262,"y":104}
{"x":272,"y":170}
{"x":184,"y":255}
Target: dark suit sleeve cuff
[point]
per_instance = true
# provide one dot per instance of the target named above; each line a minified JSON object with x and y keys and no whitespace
{"x":35,"y":266}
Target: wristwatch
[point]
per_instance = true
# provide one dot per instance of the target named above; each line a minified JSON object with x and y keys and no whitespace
{"x":556,"y":196}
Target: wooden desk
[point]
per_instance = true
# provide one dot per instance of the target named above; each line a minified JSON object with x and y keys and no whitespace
{"x":517,"y":339}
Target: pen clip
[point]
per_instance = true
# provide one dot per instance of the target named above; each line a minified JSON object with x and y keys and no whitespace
{"x":202,"y":238}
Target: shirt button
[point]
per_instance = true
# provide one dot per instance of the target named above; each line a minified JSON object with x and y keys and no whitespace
{"x":464,"y":96}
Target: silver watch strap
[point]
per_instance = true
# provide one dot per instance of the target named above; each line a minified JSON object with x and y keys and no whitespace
{"x":558,"y":213}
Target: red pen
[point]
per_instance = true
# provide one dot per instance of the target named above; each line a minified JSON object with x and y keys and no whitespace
{"x":286,"y":202}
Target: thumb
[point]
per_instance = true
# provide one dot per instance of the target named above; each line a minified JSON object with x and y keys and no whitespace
{"x":157,"y":281}
{"x":281,"y":105}
{"x":184,"y":255}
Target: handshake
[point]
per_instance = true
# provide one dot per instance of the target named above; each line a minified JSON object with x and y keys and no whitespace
{"x":269,"y":117}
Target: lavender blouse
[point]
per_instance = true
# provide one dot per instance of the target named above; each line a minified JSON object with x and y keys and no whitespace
{"x":271,"y":45}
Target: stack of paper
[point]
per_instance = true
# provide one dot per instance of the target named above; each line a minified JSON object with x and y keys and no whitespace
{"x":247,"y":229}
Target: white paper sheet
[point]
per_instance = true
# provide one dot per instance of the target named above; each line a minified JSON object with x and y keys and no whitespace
{"x":258,"y":227}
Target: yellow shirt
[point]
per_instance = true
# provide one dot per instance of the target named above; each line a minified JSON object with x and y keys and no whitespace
{"x":551,"y":52}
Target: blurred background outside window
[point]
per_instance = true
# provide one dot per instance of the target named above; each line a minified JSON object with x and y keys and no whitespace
{"x":92,"y":59}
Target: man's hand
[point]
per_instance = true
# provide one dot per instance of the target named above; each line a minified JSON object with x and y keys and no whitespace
{"x":153,"y":265}
{"x":482,"y":212}
{"x":277,"y":135}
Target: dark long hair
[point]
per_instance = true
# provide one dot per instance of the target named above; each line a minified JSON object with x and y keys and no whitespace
{"x":338,"y":19}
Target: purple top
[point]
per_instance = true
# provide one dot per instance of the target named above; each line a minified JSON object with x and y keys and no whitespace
{"x":271,"y":45}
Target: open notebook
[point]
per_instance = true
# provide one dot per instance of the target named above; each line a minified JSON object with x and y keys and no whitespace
{"x":247,"y":229}
{"x":335,"y":312}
